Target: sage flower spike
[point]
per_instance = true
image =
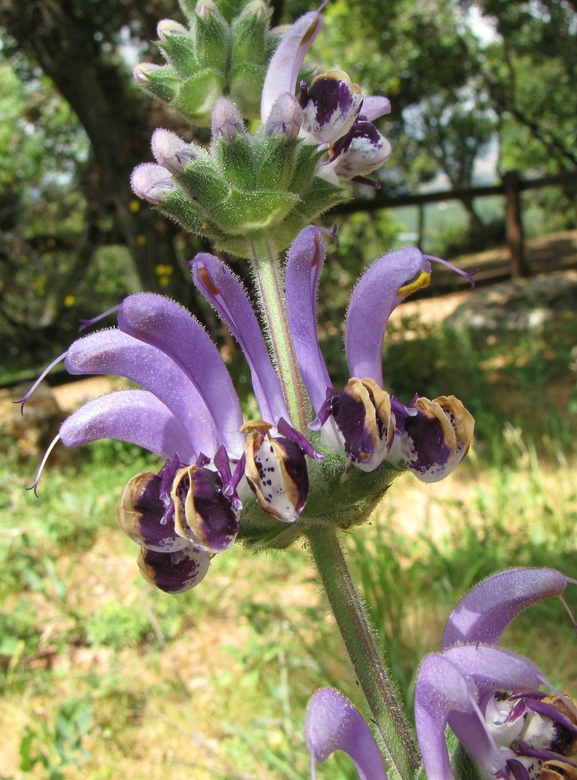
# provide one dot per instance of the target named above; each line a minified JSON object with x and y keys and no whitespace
{"x":363,"y":421}
{"x":333,"y":723}
{"x":489,"y":696}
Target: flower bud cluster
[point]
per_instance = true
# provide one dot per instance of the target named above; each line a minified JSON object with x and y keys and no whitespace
{"x":224,"y":49}
{"x":278,"y":179}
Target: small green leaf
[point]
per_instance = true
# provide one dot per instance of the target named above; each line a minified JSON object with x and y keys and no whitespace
{"x":198,"y":94}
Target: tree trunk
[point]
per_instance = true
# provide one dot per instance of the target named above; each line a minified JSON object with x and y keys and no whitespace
{"x":114,"y":118}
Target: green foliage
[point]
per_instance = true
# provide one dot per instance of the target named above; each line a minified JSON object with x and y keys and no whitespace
{"x":58,"y":745}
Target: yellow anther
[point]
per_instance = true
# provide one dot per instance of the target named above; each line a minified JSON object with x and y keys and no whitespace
{"x":422,"y":280}
{"x":255,"y":426}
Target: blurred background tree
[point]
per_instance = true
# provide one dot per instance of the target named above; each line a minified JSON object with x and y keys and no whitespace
{"x":75,"y":240}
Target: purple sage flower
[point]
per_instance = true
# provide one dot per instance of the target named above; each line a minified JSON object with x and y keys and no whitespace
{"x":363,"y":421}
{"x":489,"y":696}
{"x":188,"y":414}
{"x":333,"y":723}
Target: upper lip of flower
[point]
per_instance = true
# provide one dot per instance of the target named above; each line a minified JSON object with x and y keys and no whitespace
{"x":452,"y":686}
{"x":333,"y":723}
{"x":285,"y":63}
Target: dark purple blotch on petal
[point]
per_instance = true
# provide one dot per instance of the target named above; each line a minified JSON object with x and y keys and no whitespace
{"x":174,"y":572}
{"x":141,"y":515}
{"x":204,"y":515}
{"x":276,"y":471}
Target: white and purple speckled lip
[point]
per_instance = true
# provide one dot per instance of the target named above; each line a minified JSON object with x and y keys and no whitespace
{"x":330,"y":106}
{"x":174,"y":572}
{"x":142,"y":515}
{"x":203,"y":513}
{"x":362,"y":421}
{"x":360,"y":152}
{"x":333,"y":723}
{"x":489,"y":696}
{"x":276,"y":470}
{"x":433,"y":436}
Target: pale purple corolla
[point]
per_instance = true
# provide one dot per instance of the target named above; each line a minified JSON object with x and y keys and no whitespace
{"x":363,"y":421}
{"x":489,"y":696}
{"x":188,"y":414}
{"x":333,"y":723}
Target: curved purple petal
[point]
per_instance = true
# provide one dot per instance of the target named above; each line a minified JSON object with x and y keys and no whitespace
{"x":380,"y":289}
{"x":284,"y":66}
{"x":134,"y":416}
{"x":225,"y":292}
{"x":492,"y":669}
{"x":495,"y":669}
{"x":304,"y":265}
{"x":169,"y":327}
{"x":333,"y":723}
{"x":486,"y":611}
{"x":375,"y":106}
{"x":441,"y":690}
{"x":114,"y":352}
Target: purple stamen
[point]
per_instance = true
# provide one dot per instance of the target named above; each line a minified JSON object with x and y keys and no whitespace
{"x":367,"y":182}
{"x":567,"y":606}
{"x":545,"y":755}
{"x":34,"y":486}
{"x":87,"y":323}
{"x":548,"y":711}
{"x":455,"y":268}
{"x":46,"y":371}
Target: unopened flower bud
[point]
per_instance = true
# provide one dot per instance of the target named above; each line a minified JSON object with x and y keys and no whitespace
{"x":256,"y":8}
{"x":142,"y":71}
{"x":171,"y":151}
{"x":204,"y":8}
{"x":151,"y":182}
{"x":167,"y":27}
{"x":226,"y":121}
{"x":160,"y":80}
{"x":285,"y":118}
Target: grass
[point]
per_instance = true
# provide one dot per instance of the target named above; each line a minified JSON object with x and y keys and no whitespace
{"x":100,"y":671}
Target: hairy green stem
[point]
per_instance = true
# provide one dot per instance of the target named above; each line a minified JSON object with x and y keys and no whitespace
{"x":398,"y":742}
{"x":270,"y":285}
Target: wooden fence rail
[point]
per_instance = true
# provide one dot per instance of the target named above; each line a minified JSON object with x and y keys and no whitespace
{"x":511,"y":187}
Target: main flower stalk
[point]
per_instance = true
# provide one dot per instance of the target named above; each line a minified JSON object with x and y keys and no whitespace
{"x":270,"y":287}
{"x":397,"y":741}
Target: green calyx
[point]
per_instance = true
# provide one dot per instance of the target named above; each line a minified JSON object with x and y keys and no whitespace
{"x":340,"y":495}
{"x":223,"y":51}
{"x":251,"y":185}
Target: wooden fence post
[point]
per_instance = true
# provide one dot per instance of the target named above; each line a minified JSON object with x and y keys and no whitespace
{"x":514,"y":226}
